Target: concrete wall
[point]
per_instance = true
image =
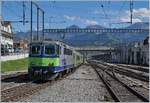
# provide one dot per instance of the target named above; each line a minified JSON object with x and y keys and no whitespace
{"x":14,"y":57}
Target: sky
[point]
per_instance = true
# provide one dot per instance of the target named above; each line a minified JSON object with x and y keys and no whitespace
{"x":62,"y":14}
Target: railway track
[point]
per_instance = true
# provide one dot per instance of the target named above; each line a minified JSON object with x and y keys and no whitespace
{"x":10,"y":81}
{"x":139,"y":68}
{"x":17,"y":92}
{"x":14,"y":75}
{"x":136,"y":84}
{"x":119,"y":91}
{"x":126,"y":71}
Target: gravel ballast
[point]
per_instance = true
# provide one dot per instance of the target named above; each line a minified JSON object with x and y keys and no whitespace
{"x":82,"y":86}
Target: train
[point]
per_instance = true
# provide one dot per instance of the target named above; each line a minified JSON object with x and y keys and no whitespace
{"x":52,"y":58}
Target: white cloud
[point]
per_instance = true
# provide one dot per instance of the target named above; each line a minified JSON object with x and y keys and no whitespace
{"x":127,"y":19}
{"x":71,"y":17}
{"x":91,"y":22}
{"x":84,"y":21}
{"x":141,"y":12}
{"x":139,"y":15}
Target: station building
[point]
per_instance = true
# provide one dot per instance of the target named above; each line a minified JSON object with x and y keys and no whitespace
{"x":133,"y":53}
{"x":6,"y":36}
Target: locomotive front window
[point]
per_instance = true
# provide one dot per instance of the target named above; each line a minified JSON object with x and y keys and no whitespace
{"x":50,"y":49}
{"x":35,"y":49}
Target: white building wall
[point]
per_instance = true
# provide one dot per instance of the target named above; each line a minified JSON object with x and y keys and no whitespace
{"x":6,"y":29}
{"x":14,"y":57}
{"x":6,"y":40}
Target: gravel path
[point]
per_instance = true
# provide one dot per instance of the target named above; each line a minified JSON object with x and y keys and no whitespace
{"x":83,"y":85}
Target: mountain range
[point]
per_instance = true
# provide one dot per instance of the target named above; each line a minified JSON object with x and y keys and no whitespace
{"x":94,"y":39}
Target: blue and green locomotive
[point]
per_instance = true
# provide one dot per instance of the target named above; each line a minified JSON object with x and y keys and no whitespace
{"x":51,"y":57}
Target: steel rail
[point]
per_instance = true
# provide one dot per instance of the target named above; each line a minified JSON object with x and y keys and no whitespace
{"x":126,"y":72}
{"x":138,"y":68}
{"x":140,"y":96}
{"x":109,"y":88}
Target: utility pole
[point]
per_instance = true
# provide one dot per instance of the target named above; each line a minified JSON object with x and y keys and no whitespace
{"x":38,"y":11}
{"x":43,"y":27}
{"x":0,"y":32}
{"x":31,"y":23}
{"x":23,"y":13}
{"x":131,"y":11}
{"x":37,"y":24}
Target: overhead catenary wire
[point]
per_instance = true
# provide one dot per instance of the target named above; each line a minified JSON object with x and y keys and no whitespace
{"x":11,"y":11}
{"x":103,"y":9}
{"x":28,"y":10}
{"x":18,"y":17}
{"x":122,"y":6}
{"x":130,"y":10}
{"x":68,"y":8}
{"x":120,"y":12}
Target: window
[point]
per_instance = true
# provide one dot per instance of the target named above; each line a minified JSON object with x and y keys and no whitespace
{"x":50,"y":49}
{"x":67,"y":51}
{"x":35,"y":49}
{"x":58,"y":49}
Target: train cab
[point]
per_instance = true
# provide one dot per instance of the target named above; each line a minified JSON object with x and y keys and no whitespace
{"x":43,"y":57}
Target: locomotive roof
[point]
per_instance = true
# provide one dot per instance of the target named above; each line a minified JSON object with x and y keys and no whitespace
{"x":56,"y":42}
{"x":51,"y":41}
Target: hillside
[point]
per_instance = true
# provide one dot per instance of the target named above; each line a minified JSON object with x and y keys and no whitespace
{"x":95,"y":39}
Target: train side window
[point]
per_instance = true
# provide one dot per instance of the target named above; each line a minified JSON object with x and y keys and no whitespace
{"x":70,"y":52}
{"x":58,"y":49}
{"x":67,"y":51}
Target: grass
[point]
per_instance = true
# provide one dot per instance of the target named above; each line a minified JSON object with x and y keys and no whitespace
{"x":14,"y":65}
